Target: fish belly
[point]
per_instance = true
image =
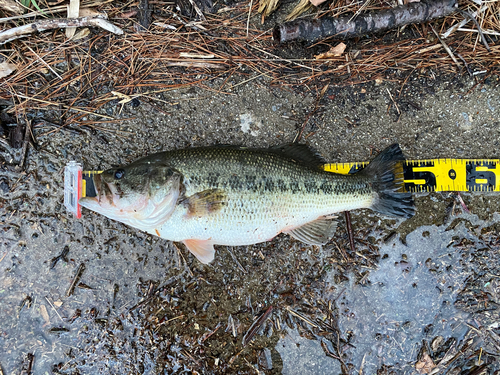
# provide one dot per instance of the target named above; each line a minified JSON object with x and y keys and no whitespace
{"x":256,"y":219}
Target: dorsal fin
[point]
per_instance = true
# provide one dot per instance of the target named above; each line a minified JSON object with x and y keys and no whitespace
{"x":301,"y":153}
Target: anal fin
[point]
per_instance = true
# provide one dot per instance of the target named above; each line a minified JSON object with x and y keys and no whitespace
{"x":317,"y":232}
{"x":203,"y":250}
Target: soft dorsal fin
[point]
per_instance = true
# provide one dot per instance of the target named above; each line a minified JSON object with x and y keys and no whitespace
{"x":301,"y":153}
{"x":317,"y":232}
{"x":203,"y":250}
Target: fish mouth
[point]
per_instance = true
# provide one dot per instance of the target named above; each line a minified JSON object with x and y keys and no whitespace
{"x":97,"y":186}
{"x":96,"y":179}
{"x":92,"y":199}
{"x":104,"y":192}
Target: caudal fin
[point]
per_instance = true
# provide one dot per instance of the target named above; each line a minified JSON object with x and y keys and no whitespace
{"x":386,"y":172}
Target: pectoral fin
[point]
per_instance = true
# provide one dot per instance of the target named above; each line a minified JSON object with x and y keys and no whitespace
{"x":203,"y":250}
{"x":206,"y":202}
{"x":317,"y":232}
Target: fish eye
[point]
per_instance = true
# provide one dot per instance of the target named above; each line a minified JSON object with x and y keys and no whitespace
{"x":119,"y":174}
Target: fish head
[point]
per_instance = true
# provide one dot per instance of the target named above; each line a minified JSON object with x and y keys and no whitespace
{"x":143,"y":194}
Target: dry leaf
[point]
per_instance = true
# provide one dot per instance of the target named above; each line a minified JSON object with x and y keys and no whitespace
{"x":317,"y":2}
{"x":302,"y":7}
{"x":44,"y":313}
{"x":82,"y":33}
{"x":336,"y":51}
{"x":6,"y":69}
{"x":90,"y":12}
{"x":58,"y":303}
{"x":124,"y":98}
{"x":266,"y":7}
{"x":425,"y":364}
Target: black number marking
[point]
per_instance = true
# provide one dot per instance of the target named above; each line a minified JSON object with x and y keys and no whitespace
{"x":473,"y":175}
{"x":429,"y":177}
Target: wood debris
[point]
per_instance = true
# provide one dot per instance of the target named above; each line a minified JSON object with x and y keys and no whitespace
{"x":336,"y":51}
{"x":9,"y":35}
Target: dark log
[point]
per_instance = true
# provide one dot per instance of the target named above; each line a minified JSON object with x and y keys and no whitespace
{"x":143,"y":15}
{"x":348,"y":27}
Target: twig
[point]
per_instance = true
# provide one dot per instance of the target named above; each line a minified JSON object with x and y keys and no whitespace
{"x":447,"y":49}
{"x":301,"y":317}
{"x":473,"y":19}
{"x":466,"y":65}
{"x":53,"y":307}
{"x":56,"y":23}
{"x":64,"y":106}
{"x":62,"y":256}
{"x":447,"y":33}
{"x":236,"y":261}
{"x":198,"y":11}
{"x":26,"y":142}
{"x":182,"y":256}
{"x":166,"y":321}
{"x":249,"y":14}
{"x":76,"y":279}
{"x":395,"y":104}
{"x":52,"y":10}
{"x":485,"y":32}
{"x":462,"y":203}
{"x":349,"y":230}
{"x":255,"y":326}
{"x":31,"y":360}
{"x":194,"y":64}
{"x":43,"y":62}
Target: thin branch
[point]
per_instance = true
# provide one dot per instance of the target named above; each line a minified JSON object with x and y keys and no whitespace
{"x":56,"y":23}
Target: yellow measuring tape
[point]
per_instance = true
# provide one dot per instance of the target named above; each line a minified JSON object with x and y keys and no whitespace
{"x":419,"y":175}
{"x":440,"y":174}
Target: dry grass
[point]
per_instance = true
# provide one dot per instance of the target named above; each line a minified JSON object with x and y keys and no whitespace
{"x":78,"y":77}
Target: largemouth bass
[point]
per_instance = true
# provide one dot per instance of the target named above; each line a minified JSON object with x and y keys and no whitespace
{"x":228,"y":195}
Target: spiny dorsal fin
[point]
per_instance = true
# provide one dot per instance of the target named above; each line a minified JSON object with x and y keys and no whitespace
{"x":301,"y":153}
{"x":317,"y":232}
{"x":205,"y":202}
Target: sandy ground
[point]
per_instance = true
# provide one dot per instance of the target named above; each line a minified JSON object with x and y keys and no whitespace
{"x":432,"y":289}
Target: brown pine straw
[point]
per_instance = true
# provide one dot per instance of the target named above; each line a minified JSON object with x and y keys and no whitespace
{"x":91,"y":71}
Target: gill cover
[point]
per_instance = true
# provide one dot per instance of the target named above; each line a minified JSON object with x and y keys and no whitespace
{"x":140,"y":194}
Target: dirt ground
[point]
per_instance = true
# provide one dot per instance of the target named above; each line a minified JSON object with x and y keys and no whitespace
{"x":417,"y":296}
